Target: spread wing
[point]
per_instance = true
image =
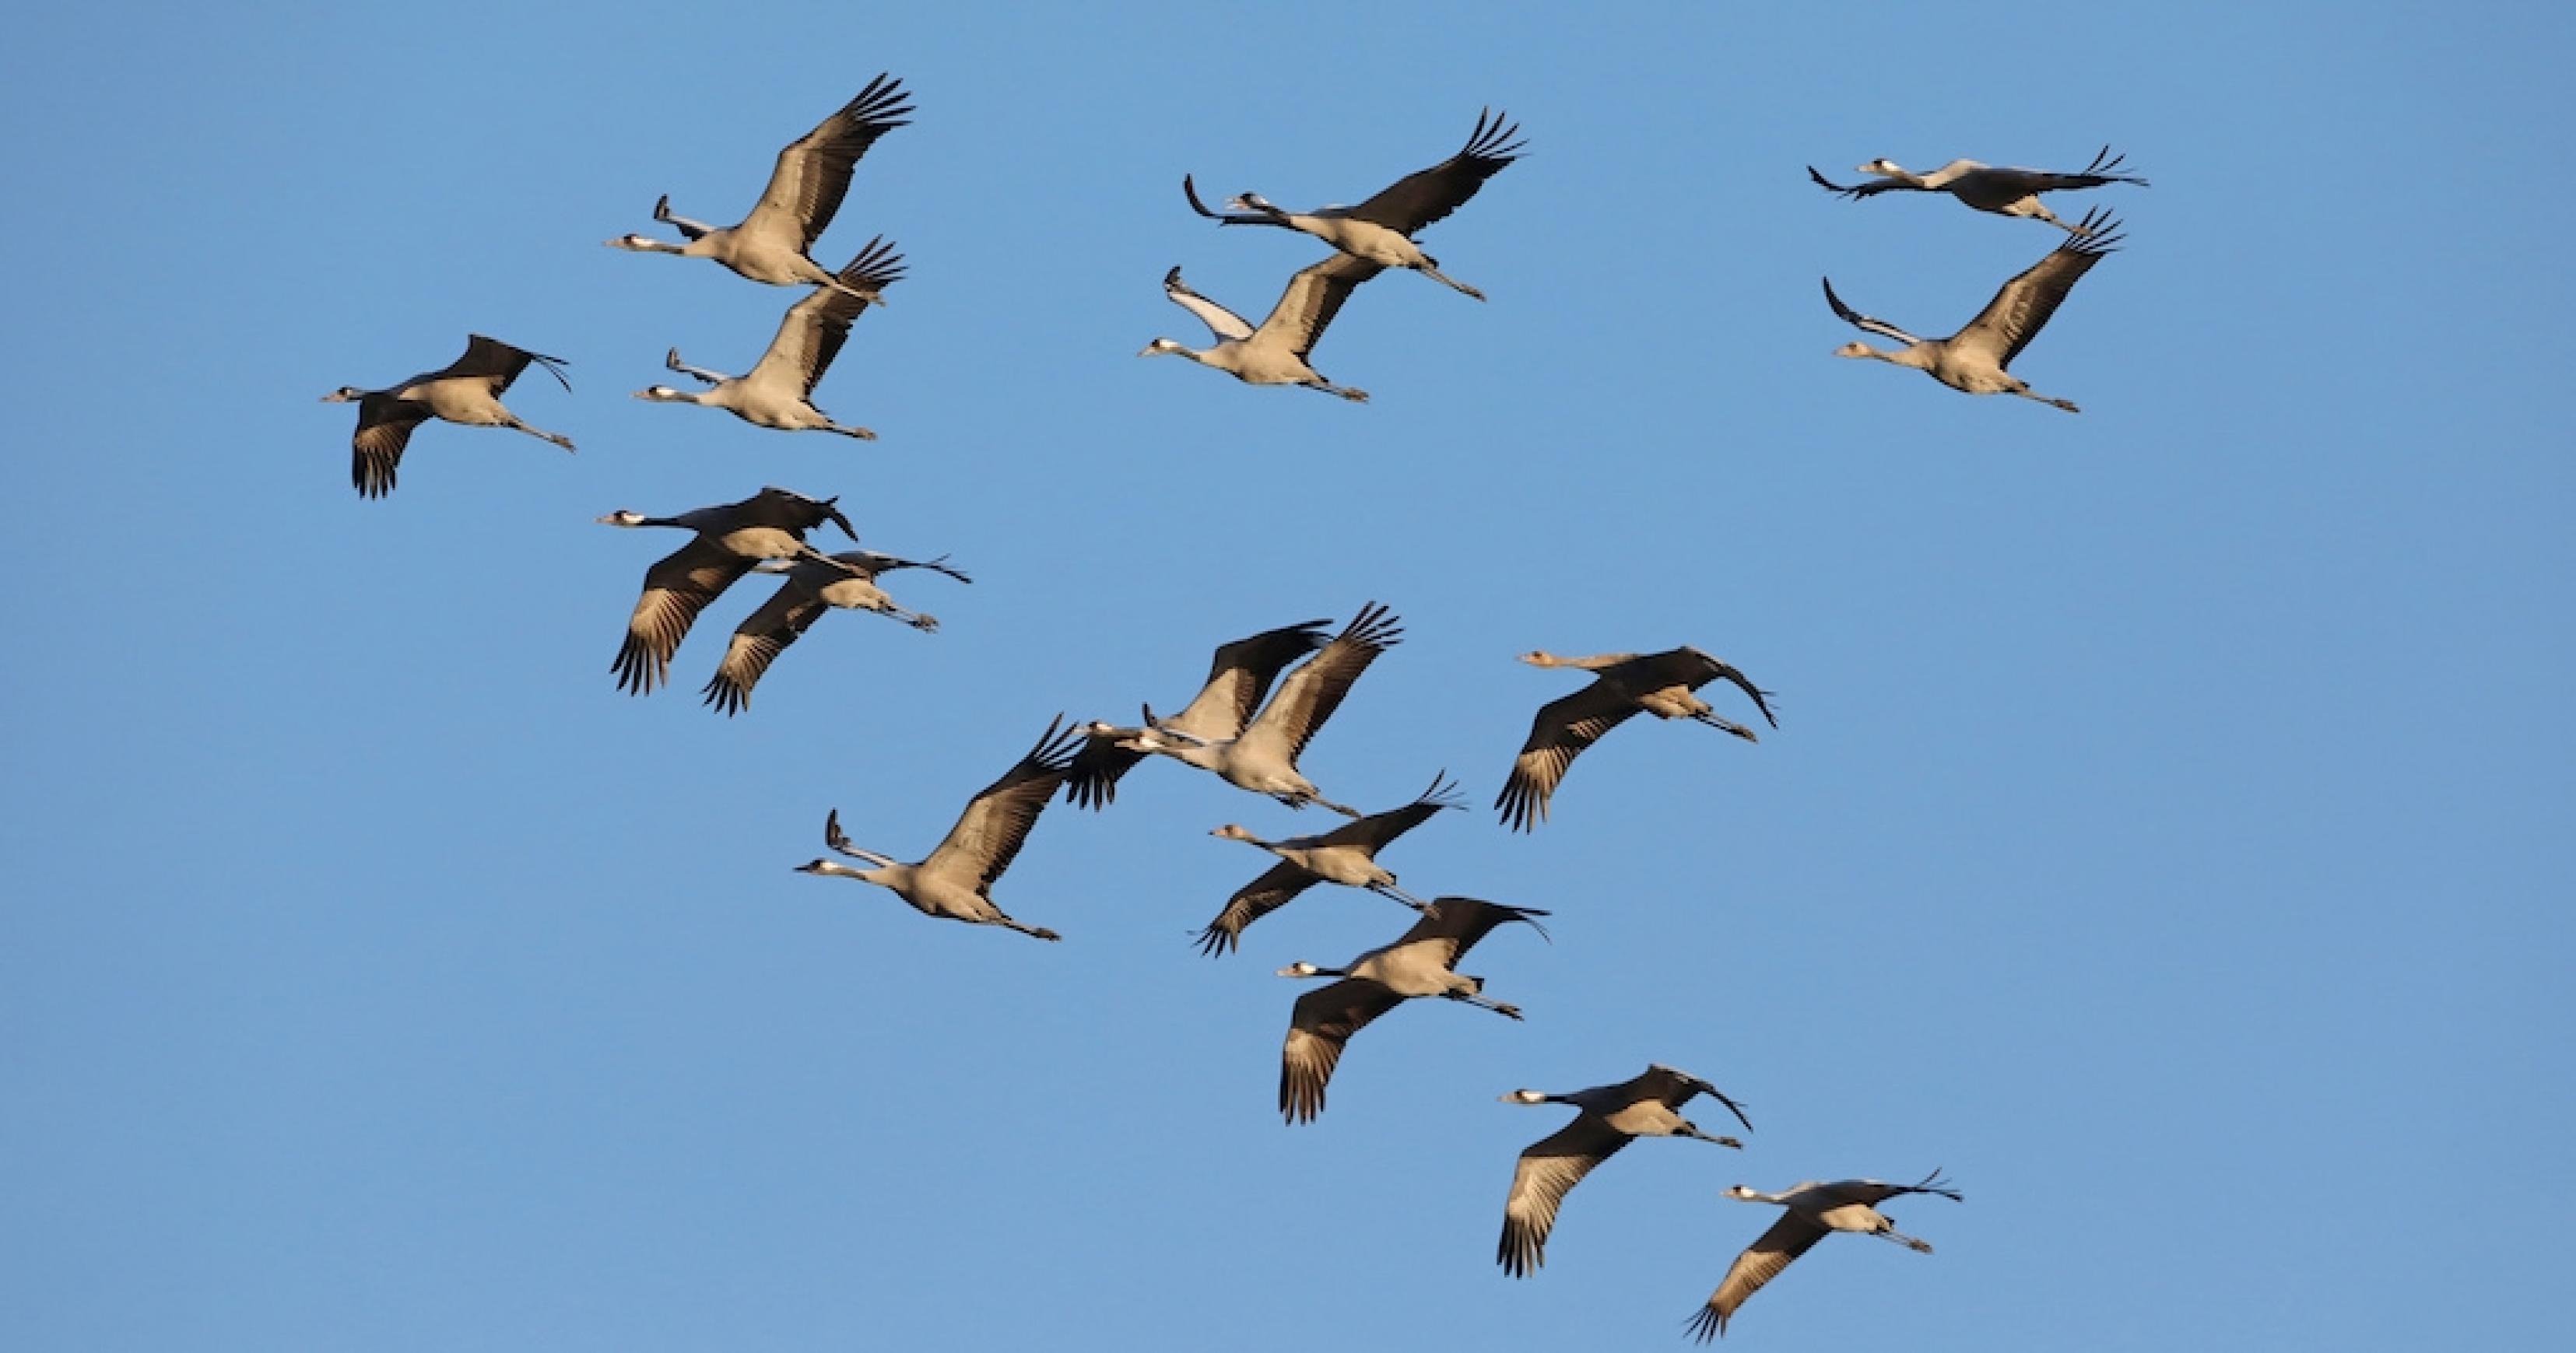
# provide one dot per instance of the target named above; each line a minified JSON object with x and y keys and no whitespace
{"x":1241,"y":674}
{"x":1563,"y":728}
{"x":990,"y":833}
{"x":1097,"y":768}
{"x":1547,"y":1171}
{"x":1863,"y":322}
{"x":1454,"y":924}
{"x":1793,"y":1235}
{"x":384,"y":428}
{"x":813,"y":330}
{"x":1690,"y":667}
{"x":2018,"y":312}
{"x":1311,"y":693}
{"x":813,"y":171}
{"x":1674,"y":1088}
{"x":675,"y":590}
{"x":1322,"y":1022}
{"x":1420,"y":199}
{"x":1220,"y":321}
{"x":1377,"y":829}
{"x":2104,"y":170}
{"x":1857,"y":191}
{"x":500,"y":363}
{"x":758,"y":641}
{"x":1313,"y":297}
{"x":1277,"y":887}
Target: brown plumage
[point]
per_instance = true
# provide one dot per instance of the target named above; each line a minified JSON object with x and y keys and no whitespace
{"x":1813,"y":1211}
{"x":1240,"y":675}
{"x":731,"y":538}
{"x":466,"y":391}
{"x":1611,"y":1116}
{"x":1421,"y":962}
{"x":1974,"y":359}
{"x":1346,"y":855}
{"x":1623,"y":684}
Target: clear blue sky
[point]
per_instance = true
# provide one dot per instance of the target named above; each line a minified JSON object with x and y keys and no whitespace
{"x":2158,"y":834}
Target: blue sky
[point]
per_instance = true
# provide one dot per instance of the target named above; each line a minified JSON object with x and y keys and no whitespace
{"x":2159,"y":832}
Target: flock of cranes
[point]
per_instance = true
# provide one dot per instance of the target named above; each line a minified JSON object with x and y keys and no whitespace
{"x":1267,"y":695}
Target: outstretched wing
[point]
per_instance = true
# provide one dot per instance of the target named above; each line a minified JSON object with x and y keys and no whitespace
{"x":2018,"y":312}
{"x":1857,"y":191}
{"x":385,"y":426}
{"x":1242,"y":673}
{"x":1277,"y":887}
{"x":758,"y":641}
{"x":500,"y":363}
{"x":1311,"y":693}
{"x":1687,"y":666}
{"x":990,"y":833}
{"x":810,"y":335}
{"x":813,"y":171}
{"x":1563,"y":728}
{"x":1220,"y":321}
{"x":1863,"y":322}
{"x":1455,"y":924}
{"x":1673,"y":1088}
{"x":675,"y":590}
{"x":1547,"y":1171}
{"x":1377,"y":829}
{"x":1793,"y":1235}
{"x":1420,"y":199}
{"x":1313,"y":297}
{"x":1321,"y":1024}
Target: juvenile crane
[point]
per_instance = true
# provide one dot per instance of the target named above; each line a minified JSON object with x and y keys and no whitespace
{"x":848,"y":582}
{"x":805,"y":189}
{"x":1422,"y":962}
{"x":779,"y":391}
{"x":1275,"y":353}
{"x":1974,"y":358}
{"x":467,"y":390}
{"x":2005,"y":192}
{"x":956,"y":881}
{"x":1240,"y":675}
{"x":1346,"y":855}
{"x":1611,"y":1116}
{"x":1814,"y":1210}
{"x":731,"y":538}
{"x":1263,"y":758}
{"x":1623,"y":684}
{"x":1381,"y":230}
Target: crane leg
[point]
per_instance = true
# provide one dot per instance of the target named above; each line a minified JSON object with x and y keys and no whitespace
{"x":1450,"y":282}
{"x":1727,"y":726}
{"x":540,"y":434}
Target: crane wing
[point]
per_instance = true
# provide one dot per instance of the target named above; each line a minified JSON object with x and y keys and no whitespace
{"x":385,"y":425}
{"x":813,"y":171}
{"x":1563,"y":728}
{"x":758,"y":641}
{"x":1857,"y":191}
{"x":1793,"y":1235}
{"x":1311,"y":693}
{"x":810,"y":335}
{"x":1278,"y":886}
{"x":1314,"y":295}
{"x":1221,"y":322}
{"x":675,"y":590}
{"x":991,"y":831}
{"x":1548,"y":1170}
{"x":1320,"y":1025}
{"x":1863,"y":322}
{"x":2018,"y":312}
{"x":1242,"y":673}
{"x":500,"y":363}
{"x":1422,"y":198}
{"x":1377,"y":829}
{"x":1690,"y":667}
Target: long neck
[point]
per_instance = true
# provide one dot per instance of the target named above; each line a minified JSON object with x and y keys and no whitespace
{"x":1594,"y":663}
{"x":1915,"y":355}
